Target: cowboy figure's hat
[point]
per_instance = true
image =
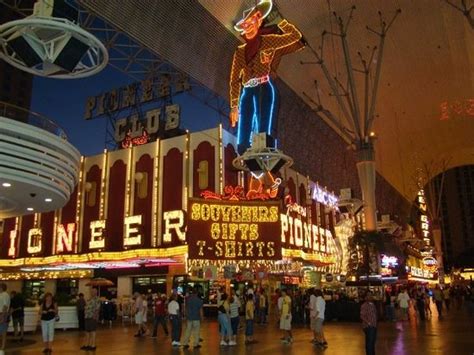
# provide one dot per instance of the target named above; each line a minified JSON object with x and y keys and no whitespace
{"x":264,"y":7}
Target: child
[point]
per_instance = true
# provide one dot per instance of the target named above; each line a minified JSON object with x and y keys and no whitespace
{"x":249,"y":318}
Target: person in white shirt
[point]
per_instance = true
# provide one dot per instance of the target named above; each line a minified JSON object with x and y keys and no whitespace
{"x":234,"y":309}
{"x":403,"y":302}
{"x":317,"y":306}
{"x":141,"y":309}
{"x":4,"y":308}
{"x":175,"y":320}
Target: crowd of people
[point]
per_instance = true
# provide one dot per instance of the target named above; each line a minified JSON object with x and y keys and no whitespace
{"x":238,"y":311}
{"x":416,"y":302}
{"x":294,"y":307}
{"x":235,"y":311}
{"x":12,"y":308}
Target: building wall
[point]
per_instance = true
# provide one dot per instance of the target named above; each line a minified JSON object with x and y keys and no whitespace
{"x":15,"y":85}
{"x":457,"y":210}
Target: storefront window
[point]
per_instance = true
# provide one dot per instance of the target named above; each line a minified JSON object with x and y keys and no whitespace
{"x":67,"y":286}
{"x":33,"y":289}
{"x":153,"y":284}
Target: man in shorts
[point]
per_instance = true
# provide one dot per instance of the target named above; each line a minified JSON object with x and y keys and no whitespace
{"x":91,"y":318}
{"x":317,"y":306}
{"x":284,"y":307}
{"x":141,"y":309}
{"x":4,"y":308}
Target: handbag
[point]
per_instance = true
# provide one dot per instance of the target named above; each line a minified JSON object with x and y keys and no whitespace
{"x":57,"y":318}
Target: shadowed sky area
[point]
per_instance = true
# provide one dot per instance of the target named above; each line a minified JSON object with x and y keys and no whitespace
{"x":64,"y":102}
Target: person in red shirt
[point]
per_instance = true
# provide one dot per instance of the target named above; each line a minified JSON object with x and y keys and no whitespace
{"x":160,"y":315}
{"x":368,"y":316}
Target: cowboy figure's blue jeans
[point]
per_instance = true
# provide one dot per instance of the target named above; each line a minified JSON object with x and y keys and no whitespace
{"x":257,"y":112}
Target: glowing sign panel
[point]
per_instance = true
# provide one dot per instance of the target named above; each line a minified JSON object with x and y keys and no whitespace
{"x":234,"y":231}
{"x":323,"y":196}
{"x":388,"y":261}
{"x":35,"y":236}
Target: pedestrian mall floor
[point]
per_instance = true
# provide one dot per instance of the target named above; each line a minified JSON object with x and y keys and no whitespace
{"x":453,"y":335}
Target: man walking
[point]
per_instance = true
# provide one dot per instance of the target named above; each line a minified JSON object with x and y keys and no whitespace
{"x":284,"y":306}
{"x":81,"y":307}
{"x":160,"y":315}
{"x":438,"y":298}
{"x":141,"y":309}
{"x":318,"y":308}
{"x":175,"y":320}
{"x":193,"y":316}
{"x":17,"y":309}
{"x":91,"y":318}
{"x":403,"y":300}
{"x":4,"y":307}
{"x":368,"y":316}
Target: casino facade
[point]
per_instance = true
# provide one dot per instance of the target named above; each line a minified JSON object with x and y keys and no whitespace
{"x":172,"y":208}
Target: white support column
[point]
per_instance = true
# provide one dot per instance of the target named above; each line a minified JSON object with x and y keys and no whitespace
{"x":436,"y":232}
{"x":367,"y":176}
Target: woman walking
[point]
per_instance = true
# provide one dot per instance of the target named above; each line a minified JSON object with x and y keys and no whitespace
{"x":224,"y":320}
{"x":48,"y":313}
{"x":234,"y":318}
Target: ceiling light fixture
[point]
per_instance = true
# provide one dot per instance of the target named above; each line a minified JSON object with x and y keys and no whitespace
{"x":48,"y":199}
{"x":30,"y":209}
{"x":6,"y":184}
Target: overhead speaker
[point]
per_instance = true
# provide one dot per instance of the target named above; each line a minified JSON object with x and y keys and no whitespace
{"x":276,"y":168}
{"x":71,"y":54}
{"x":24,"y":51}
{"x":253,"y":165}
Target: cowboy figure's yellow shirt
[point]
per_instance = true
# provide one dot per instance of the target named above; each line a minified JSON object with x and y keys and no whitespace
{"x":272,"y":47}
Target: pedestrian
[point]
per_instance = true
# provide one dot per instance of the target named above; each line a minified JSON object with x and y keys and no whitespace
{"x":17,"y":311}
{"x":368,"y":316}
{"x":447,"y":297}
{"x":48,"y":313}
{"x":193,"y":315}
{"x":438,"y":298}
{"x":426,"y":296}
{"x":420,"y":304}
{"x":4,"y":309}
{"x":223,"y":317}
{"x":284,"y":307}
{"x":81,"y":307}
{"x":175,"y":320}
{"x":275,"y":298}
{"x":234,"y":308}
{"x":389,"y":309}
{"x":403,"y":302}
{"x":160,"y":315}
{"x":317,"y":306}
{"x":263,"y":305}
{"x":91,"y":319}
{"x":141,"y":309}
{"x":249,"y":319}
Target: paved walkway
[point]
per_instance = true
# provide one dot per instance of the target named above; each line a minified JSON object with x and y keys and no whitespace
{"x":453,"y":335}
